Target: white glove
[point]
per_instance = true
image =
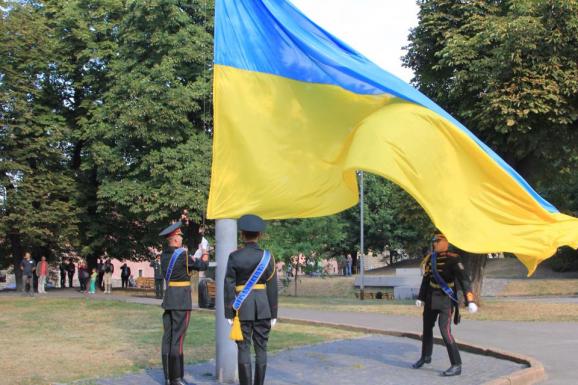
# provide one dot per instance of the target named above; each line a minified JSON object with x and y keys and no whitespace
{"x":472,"y":307}
{"x":230,"y":321}
{"x":273,"y":322}
{"x":418,"y":303}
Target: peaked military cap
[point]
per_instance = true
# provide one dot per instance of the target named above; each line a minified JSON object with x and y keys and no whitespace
{"x":171,"y":230}
{"x":251,"y":222}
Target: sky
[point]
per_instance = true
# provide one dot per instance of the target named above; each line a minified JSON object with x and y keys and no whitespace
{"x":376,"y":28}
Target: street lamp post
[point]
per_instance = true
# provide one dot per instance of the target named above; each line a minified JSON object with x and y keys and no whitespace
{"x":361,"y":236}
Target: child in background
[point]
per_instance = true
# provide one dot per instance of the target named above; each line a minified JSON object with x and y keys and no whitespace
{"x":93,"y":278}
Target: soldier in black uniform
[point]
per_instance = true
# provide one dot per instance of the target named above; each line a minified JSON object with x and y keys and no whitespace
{"x":437,"y":303}
{"x":258,"y":313}
{"x":177,"y":299}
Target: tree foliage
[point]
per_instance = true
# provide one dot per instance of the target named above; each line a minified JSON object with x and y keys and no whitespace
{"x":507,"y":70}
{"x":106,"y":122}
{"x":38,"y":198}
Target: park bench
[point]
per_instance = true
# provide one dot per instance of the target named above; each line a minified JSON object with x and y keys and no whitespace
{"x":376,"y":295}
{"x":145,"y":283}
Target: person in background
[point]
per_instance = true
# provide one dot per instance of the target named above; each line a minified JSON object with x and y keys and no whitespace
{"x":348,"y":265}
{"x":83,"y":276}
{"x":93,"y":280}
{"x":62,"y":267}
{"x":159,"y":283}
{"x":108,"y":270}
{"x":42,"y":273}
{"x":27,"y":267}
{"x":70,"y":269}
{"x":124,"y":274}
{"x":203,"y":247}
{"x":100,"y":271}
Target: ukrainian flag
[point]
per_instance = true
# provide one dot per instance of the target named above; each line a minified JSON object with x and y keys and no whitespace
{"x":297,"y":112}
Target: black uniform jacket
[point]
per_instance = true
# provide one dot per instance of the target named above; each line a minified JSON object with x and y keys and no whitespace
{"x":451,"y":269}
{"x":259,"y":304}
{"x":179,"y":297}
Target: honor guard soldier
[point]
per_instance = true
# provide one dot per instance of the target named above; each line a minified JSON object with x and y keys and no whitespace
{"x":443,"y":272}
{"x":251,"y":299}
{"x":176,"y":263}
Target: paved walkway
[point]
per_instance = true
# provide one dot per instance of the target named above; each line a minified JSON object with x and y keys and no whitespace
{"x":371,"y":359}
{"x":555,"y":344}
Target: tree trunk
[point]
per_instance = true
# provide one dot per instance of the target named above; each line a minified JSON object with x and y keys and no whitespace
{"x":17,"y":254}
{"x":475,"y":265}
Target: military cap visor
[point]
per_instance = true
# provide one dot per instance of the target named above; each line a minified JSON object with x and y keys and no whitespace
{"x":172,"y":230}
{"x":251,"y":222}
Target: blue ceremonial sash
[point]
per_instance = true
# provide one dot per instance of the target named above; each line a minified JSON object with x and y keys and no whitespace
{"x":444,"y":286}
{"x":261,"y":267}
{"x":174,"y":258}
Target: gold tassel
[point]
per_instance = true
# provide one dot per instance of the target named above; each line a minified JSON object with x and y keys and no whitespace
{"x":236,"y":333}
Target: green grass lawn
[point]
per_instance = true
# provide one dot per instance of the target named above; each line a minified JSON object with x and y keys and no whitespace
{"x":489,"y":310}
{"x":61,"y":340}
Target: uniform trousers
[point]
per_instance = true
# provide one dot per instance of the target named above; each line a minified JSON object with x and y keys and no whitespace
{"x":445,"y":319}
{"x":175,"y":324}
{"x":257,"y":332}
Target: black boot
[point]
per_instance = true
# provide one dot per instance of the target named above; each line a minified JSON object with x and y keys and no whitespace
{"x":179,"y":381}
{"x":454,"y":370}
{"x":176,"y":370}
{"x":245,"y":374}
{"x":181,"y":374}
{"x":260,"y":370}
{"x":421,"y":362}
{"x":165,"y":358}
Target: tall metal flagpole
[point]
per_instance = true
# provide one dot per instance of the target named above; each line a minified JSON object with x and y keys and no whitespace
{"x":361,"y":236}
{"x":226,"y":357}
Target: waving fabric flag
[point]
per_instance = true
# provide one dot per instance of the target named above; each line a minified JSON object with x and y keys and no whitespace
{"x":297,"y":112}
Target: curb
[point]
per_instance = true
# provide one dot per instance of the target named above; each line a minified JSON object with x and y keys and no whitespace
{"x":533,"y":374}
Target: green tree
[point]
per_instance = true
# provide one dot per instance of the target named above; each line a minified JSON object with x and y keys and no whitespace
{"x":38,"y":211}
{"x":85,"y":36}
{"x":135,"y":95}
{"x":392,"y":220}
{"x":507,"y":70}
{"x":150,"y":138}
{"x":315,"y":238}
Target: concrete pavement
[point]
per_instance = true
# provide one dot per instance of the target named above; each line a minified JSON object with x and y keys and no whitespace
{"x":372,"y":359}
{"x":555,"y":344}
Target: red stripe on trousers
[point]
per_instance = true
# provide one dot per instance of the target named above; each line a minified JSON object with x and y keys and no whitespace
{"x":184,"y":332}
{"x":448,"y":326}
